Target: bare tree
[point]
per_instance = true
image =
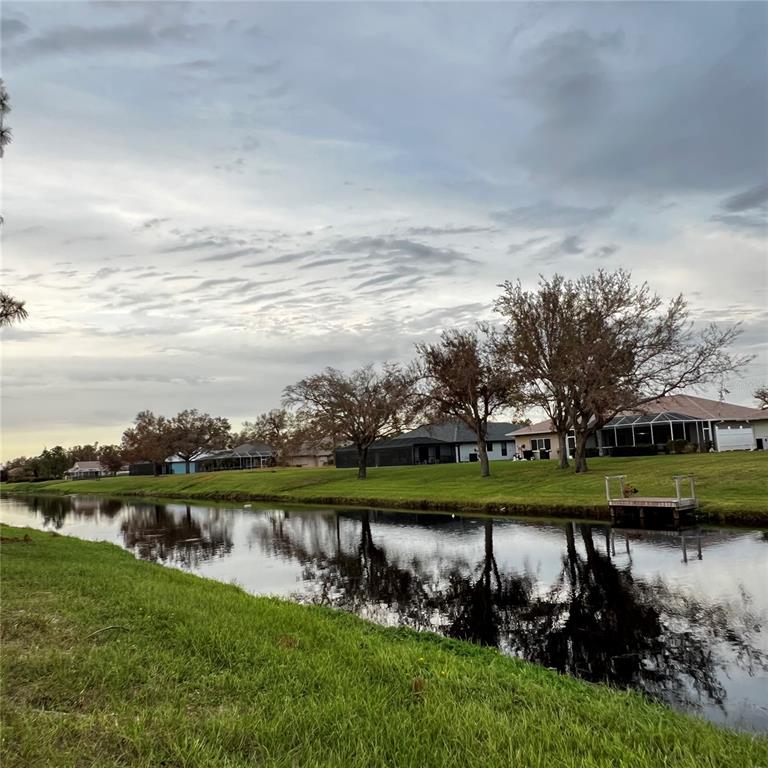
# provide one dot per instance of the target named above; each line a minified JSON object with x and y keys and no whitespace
{"x":194,"y":433}
{"x":761,"y":395}
{"x":468,"y":379}
{"x":151,"y":438}
{"x":626,"y":348}
{"x":362,"y":407}
{"x":538,"y":340}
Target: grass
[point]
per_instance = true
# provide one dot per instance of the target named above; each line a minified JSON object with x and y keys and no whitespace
{"x":196,"y":673}
{"x":732,"y":487}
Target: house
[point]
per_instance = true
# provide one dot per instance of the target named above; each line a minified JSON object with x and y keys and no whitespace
{"x":83,"y":470}
{"x":246,"y":456}
{"x":307,"y":455}
{"x":445,"y":443}
{"x":703,"y":423}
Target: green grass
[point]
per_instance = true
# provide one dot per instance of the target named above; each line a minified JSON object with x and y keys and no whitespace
{"x":732,"y":487}
{"x":201,"y":674}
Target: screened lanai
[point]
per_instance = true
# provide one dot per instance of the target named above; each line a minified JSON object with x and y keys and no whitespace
{"x":655,"y":429}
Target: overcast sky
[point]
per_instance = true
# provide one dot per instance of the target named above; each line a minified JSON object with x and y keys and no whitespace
{"x":205,"y":202}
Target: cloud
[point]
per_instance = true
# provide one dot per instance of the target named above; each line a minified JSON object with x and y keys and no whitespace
{"x":230,"y":255}
{"x":447,"y":230}
{"x":756,"y":197}
{"x":392,"y":248}
{"x":746,"y":211}
{"x":550,"y":215}
{"x":13,"y":28}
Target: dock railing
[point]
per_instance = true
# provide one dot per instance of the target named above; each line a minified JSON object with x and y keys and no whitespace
{"x":691,"y":484}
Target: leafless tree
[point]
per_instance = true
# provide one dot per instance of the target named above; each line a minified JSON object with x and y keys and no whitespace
{"x":362,"y":407}
{"x":761,"y":395}
{"x":467,"y":378}
{"x":537,"y":340}
{"x":625,"y":348}
{"x":194,"y":433}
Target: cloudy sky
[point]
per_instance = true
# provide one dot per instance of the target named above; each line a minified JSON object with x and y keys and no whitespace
{"x":204,"y":202}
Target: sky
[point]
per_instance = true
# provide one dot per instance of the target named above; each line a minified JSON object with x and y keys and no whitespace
{"x":205,"y":202}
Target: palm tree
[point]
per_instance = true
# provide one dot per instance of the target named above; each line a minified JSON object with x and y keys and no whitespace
{"x":11,"y":310}
{"x":5,"y":108}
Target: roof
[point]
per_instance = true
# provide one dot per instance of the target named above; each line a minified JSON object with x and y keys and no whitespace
{"x":701,"y":408}
{"x":398,"y":442}
{"x":540,"y":428}
{"x":670,"y":408}
{"x":84,"y":465}
{"x":458,"y":432}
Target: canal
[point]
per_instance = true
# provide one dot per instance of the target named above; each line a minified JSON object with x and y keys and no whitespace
{"x":679,"y":616}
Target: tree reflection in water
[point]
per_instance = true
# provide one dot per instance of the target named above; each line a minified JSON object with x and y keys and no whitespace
{"x":155,"y":532}
{"x":54,"y":510}
{"x":596,"y":621}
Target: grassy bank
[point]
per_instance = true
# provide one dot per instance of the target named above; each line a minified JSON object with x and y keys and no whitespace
{"x":732,"y":487}
{"x":112,"y":661}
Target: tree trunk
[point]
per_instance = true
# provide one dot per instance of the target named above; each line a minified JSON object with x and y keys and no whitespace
{"x":562,"y":440}
{"x":581,"y":452}
{"x":186,"y":467}
{"x":482,"y":454}
{"x":362,"y":463}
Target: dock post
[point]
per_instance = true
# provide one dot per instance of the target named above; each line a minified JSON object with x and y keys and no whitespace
{"x":685,"y":549}
{"x":677,"y":487}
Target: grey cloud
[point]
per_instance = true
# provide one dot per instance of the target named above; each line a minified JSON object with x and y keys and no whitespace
{"x":547,"y":214}
{"x":230,"y":255}
{"x":13,"y":28}
{"x":288,"y":258}
{"x":690,"y":118}
{"x":269,"y":68}
{"x":197,"y":65}
{"x":755,"y":197}
{"x":323,"y":263}
{"x":572,"y":244}
{"x":220,"y":241}
{"x":400,"y":247}
{"x":604,"y":251}
{"x":746,"y":211}
{"x":87,"y":39}
{"x":447,"y":230}
{"x":152,"y":223}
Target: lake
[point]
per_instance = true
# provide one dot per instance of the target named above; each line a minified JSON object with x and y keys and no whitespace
{"x":680,"y":616}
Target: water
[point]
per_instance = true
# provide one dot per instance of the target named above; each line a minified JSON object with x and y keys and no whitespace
{"x":682,"y":617}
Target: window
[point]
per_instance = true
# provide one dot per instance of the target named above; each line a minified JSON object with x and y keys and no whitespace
{"x":489,"y":447}
{"x":541,"y":444}
{"x":503,"y":449}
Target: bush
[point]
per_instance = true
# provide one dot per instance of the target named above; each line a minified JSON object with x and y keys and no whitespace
{"x":679,"y":445}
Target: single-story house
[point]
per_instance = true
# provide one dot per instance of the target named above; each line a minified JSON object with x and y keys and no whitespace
{"x":246,"y":456}
{"x":309,"y":456}
{"x":83,"y":470}
{"x":445,"y":443}
{"x":704,"y":423}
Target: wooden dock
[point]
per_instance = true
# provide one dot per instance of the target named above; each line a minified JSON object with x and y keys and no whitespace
{"x":625,"y":502}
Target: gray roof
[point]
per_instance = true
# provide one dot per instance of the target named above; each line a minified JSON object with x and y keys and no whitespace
{"x":458,"y":432}
{"x":85,"y":465}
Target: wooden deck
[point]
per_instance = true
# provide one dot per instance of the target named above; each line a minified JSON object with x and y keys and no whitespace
{"x":626,"y":503}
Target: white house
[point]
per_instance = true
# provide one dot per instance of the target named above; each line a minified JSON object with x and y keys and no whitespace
{"x":83,"y":470}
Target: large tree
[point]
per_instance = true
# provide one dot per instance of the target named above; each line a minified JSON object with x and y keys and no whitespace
{"x":467,"y":378}
{"x":761,"y":395}
{"x":194,"y":433}
{"x":151,"y":438}
{"x":362,"y":407}
{"x":537,"y":340}
{"x":625,"y":347}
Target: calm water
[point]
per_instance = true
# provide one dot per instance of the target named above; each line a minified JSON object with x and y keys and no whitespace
{"x":681,"y":617}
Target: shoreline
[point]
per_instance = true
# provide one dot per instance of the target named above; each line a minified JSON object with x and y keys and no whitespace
{"x":596,"y":513}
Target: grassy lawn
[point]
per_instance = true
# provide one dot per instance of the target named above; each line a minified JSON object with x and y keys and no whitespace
{"x":197,"y":673}
{"x":733,"y":487}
